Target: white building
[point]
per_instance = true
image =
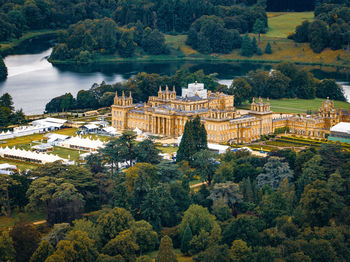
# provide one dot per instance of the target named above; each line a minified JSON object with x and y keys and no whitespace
{"x":195,"y":89}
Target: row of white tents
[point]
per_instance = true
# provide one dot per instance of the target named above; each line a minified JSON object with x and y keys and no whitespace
{"x":38,"y":126}
{"x":30,"y":156}
{"x":84,"y":144}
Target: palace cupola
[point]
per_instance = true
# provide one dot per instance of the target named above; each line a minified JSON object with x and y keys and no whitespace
{"x":123,"y":100}
{"x":166,"y":94}
{"x":260,"y":106}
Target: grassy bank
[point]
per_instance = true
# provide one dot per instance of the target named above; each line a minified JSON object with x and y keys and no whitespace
{"x":8,"y":46}
{"x":280,"y":26}
{"x":283,"y":50}
{"x":298,"y":105}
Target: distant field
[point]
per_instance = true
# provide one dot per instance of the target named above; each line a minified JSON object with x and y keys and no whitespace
{"x":298,"y":105}
{"x":282,"y":24}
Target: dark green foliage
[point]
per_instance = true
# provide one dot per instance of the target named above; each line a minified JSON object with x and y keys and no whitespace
{"x":193,"y":140}
{"x":268,"y":48}
{"x":330,"y":88}
{"x":166,"y":253}
{"x":44,"y":250}
{"x":154,"y":43}
{"x":186,"y":239}
{"x":208,"y":35}
{"x":318,"y":35}
{"x":215,"y":253}
{"x":25,"y":241}
{"x":146,"y":151}
{"x":247,"y":47}
{"x":259,"y":28}
{"x":3,"y":70}
{"x":7,"y":114}
{"x":61,"y":103}
{"x":301,"y":34}
{"x":241,"y":89}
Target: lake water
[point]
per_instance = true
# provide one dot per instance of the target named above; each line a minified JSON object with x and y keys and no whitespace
{"x":32,"y":81}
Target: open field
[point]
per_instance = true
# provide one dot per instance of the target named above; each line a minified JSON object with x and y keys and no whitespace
{"x":281,"y":24}
{"x":298,"y":105}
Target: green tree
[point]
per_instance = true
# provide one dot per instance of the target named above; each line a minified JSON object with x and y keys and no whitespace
{"x":319,"y":203}
{"x":25,"y":241}
{"x":197,"y":218}
{"x":185,"y":241}
{"x":318,"y":35}
{"x":77,"y":247}
{"x":146,"y":238}
{"x":272,"y":206}
{"x":87,"y":226}
{"x":329,"y":88}
{"x":57,"y":233}
{"x":127,"y":44}
{"x":268,"y":49}
{"x":5,"y":182}
{"x":228,"y":192}
{"x":240,"y":252}
{"x":44,"y":250}
{"x":7,"y":250}
{"x":123,"y":244}
{"x":205,"y":164}
{"x":146,"y":152}
{"x":259,"y":28}
{"x":166,"y":253}
{"x":241,"y":89}
{"x":193,"y":140}
{"x":6,"y":101}
{"x":215,"y":253}
{"x":114,"y":222}
{"x":3,"y":70}
{"x":154,"y":43}
{"x":275,"y":171}
{"x":247,"y":48}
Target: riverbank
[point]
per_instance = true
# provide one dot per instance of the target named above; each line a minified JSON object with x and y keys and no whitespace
{"x":8,"y":47}
{"x":283,"y":50}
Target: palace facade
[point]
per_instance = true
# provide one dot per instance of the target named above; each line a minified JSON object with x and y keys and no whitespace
{"x":166,"y":114}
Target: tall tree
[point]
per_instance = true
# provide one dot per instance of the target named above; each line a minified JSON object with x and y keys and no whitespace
{"x":147,"y":152}
{"x":274,"y":172}
{"x":259,"y":28}
{"x":25,"y":241}
{"x":166,"y":253}
{"x":3,"y":70}
{"x":44,"y":250}
{"x":205,"y":164}
{"x":185,"y":241}
{"x":193,"y":140}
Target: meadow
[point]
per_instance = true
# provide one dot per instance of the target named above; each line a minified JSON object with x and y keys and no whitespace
{"x":298,"y":106}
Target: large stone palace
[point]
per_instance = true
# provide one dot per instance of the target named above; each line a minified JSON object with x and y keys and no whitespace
{"x":167,"y":114}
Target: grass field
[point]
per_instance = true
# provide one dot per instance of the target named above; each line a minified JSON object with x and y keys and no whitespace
{"x":283,"y":24}
{"x":298,"y":105}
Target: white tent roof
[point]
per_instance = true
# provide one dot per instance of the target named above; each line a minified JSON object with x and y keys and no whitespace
{"x":42,"y":157}
{"x":137,"y":131}
{"x":342,"y":127}
{"x":83,"y":142}
{"x":7,"y":166}
{"x":91,"y":126}
{"x":217,"y":147}
{"x":53,"y":137}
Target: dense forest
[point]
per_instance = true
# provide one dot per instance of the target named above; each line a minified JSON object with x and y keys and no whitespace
{"x":285,"y":81}
{"x":331,"y":28}
{"x":285,"y":207}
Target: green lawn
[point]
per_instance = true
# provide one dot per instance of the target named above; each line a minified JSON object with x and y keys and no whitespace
{"x":282,"y":24}
{"x":298,"y":105}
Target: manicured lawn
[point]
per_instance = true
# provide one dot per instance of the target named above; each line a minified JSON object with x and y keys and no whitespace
{"x":298,"y":105}
{"x":282,"y":24}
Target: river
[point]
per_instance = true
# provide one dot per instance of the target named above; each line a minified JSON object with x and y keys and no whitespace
{"x":32,"y":81}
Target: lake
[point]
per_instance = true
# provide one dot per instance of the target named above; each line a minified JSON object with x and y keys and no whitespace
{"x":32,"y":81}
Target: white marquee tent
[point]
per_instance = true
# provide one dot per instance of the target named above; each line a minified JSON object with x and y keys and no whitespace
{"x":29,"y":156}
{"x":84,"y":144}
